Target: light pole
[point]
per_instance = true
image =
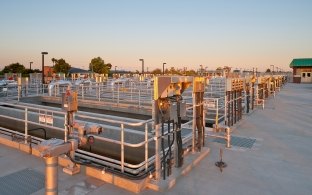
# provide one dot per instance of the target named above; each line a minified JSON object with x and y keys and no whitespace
{"x":164,"y":68}
{"x":142,"y":60}
{"x":30,"y":65}
{"x":273,"y":69}
{"x":43,"y":53}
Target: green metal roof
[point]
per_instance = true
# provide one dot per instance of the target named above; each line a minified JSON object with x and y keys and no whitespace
{"x":301,"y":62}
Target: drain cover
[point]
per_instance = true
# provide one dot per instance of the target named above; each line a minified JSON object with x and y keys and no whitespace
{"x":23,"y":182}
{"x":238,"y":141}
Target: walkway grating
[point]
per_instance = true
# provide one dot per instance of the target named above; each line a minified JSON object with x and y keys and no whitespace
{"x":242,"y":142}
{"x":22,"y":182}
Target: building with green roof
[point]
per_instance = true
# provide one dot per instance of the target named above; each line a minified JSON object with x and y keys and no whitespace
{"x":302,"y":70}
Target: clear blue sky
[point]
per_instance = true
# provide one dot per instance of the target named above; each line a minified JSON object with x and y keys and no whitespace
{"x":182,"y":33}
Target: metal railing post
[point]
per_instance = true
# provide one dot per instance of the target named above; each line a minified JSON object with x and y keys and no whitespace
{"x":228,"y":137}
{"x":55,"y":90}
{"x":131,"y":86}
{"x":118,"y":95}
{"x":82,"y":92}
{"x":26,"y":125}
{"x":140,"y":98}
{"x":99,"y":92}
{"x":146,"y":146}
{"x":194,"y":123}
{"x":122,"y":148}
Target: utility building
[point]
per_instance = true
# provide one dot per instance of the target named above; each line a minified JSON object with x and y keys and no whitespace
{"x":302,"y":70}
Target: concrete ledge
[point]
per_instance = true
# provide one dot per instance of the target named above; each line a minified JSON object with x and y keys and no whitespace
{"x":25,"y":148}
{"x":35,"y":152}
{"x":190,"y":161}
{"x":9,"y":143}
{"x":135,"y":186}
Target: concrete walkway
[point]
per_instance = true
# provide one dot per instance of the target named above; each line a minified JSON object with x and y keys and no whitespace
{"x":280,"y":162}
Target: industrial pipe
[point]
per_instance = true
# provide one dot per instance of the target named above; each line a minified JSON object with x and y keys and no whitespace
{"x":51,"y":175}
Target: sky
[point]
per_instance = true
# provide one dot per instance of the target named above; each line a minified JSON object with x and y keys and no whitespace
{"x":242,"y":34}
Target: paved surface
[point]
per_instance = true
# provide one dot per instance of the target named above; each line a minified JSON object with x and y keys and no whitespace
{"x":278,"y":163}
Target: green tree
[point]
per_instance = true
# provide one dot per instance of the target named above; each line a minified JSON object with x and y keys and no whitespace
{"x":14,"y":68}
{"x":190,"y":73}
{"x":268,"y":70}
{"x":61,"y":66}
{"x":157,"y":71}
{"x":97,"y":65}
{"x":54,"y":61}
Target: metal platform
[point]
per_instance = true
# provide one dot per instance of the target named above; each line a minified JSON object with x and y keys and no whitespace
{"x":22,"y":182}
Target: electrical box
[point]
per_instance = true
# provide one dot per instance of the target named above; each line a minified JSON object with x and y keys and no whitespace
{"x":198,"y":84}
{"x":70,"y":101}
{"x":234,"y":84}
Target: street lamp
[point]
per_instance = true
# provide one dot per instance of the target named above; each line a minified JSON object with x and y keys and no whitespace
{"x":273,"y":69}
{"x":164,"y":68}
{"x":142,"y":60}
{"x":30,"y":65}
{"x":43,"y":53}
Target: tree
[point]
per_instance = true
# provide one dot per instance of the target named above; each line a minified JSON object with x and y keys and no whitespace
{"x":54,"y":61}
{"x":268,"y":70}
{"x":156,"y":71}
{"x":97,"y":65}
{"x":61,"y":66}
{"x":190,"y":73}
{"x":14,"y":68}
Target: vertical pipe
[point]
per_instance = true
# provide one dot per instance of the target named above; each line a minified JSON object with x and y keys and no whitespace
{"x":194,"y":123}
{"x":228,"y":137}
{"x":252,"y":96}
{"x":157,"y":154}
{"x":51,"y":176}
{"x":235,"y":106}
{"x":163,"y":148}
{"x":146,"y":146}
{"x":225,"y":109}
{"x":66,"y":126}
{"x":217,"y":113}
{"x":26,"y":125}
{"x":232,"y":108}
{"x":122,"y":148}
{"x":169,"y":148}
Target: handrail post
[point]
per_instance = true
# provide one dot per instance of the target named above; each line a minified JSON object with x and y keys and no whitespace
{"x":194,"y":123}
{"x":217,"y":112}
{"x":140,"y":97}
{"x":122,"y":148}
{"x":99,"y":92}
{"x":26,"y":125}
{"x":82,"y":92}
{"x":131,"y":90}
{"x":146,"y":146}
{"x":118,"y":95}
